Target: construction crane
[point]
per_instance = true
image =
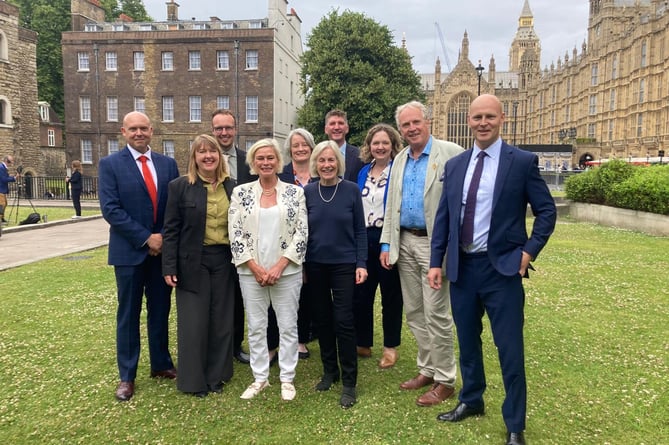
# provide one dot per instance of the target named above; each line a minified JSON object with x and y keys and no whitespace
{"x":443,"y":46}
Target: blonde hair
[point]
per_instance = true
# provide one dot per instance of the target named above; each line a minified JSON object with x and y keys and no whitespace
{"x":393,"y":135}
{"x":262,"y":143}
{"x":322,"y":146}
{"x":205,"y":140}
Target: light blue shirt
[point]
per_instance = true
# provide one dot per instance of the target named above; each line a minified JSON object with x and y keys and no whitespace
{"x":342,"y":149}
{"x":484,"y":195}
{"x":412,"y":209}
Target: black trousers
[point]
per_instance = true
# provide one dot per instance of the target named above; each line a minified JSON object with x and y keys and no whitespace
{"x":332,"y":288}
{"x":391,"y":298}
{"x":76,"y":201}
{"x":205,"y":324}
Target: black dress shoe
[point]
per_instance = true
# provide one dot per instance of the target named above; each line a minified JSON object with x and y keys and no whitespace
{"x":242,"y":357}
{"x":515,"y":438}
{"x":460,"y":412}
{"x":326,"y":382}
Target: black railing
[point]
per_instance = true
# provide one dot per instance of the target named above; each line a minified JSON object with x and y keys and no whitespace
{"x":50,"y":187}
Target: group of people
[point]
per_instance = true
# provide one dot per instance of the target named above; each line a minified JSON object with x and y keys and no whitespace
{"x":305,"y":245}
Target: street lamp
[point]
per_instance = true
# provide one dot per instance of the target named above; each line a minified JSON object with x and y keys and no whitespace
{"x":515,"y":109}
{"x":479,"y":72}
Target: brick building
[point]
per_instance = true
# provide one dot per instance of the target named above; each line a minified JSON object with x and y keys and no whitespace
{"x":178,"y":72}
{"x":19,"y":121}
{"x":608,"y":100}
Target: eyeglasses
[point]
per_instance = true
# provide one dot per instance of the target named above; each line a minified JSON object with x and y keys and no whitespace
{"x":220,"y":129}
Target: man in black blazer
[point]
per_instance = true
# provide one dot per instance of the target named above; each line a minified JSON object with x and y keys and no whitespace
{"x":135,"y":244}
{"x":336,"y":127}
{"x":485,"y":265}
{"x":224,"y":127}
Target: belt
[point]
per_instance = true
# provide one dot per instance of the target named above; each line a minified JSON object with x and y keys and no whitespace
{"x":415,"y":232}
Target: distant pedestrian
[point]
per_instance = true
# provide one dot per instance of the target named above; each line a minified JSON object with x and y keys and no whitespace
{"x":76,"y":186}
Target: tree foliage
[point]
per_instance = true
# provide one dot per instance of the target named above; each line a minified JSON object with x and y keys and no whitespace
{"x":353,"y":64}
{"x":135,"y":9}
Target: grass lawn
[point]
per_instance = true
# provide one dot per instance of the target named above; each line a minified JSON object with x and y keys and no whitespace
{"x":15,"y":214}
{"x":597,"y":346}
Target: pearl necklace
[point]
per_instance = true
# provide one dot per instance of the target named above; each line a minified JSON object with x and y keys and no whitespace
{"x":331,"y":197}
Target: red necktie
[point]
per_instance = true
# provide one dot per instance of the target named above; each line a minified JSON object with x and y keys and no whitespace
{"x":467,"y":233}
{"x":150,"y":185}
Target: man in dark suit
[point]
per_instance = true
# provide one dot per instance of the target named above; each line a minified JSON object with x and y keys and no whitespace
{"x":133,"y":195}
{"x":5,"y":179}
{"x":336,"y":127}
{"x":482,"y":233}
{"x":224,"y":127}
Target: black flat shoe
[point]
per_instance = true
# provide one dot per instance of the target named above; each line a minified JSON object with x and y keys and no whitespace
{"x":515,"y":438}
{"x":242,"y":357}
{"x":326,"y":382}
{"x":347,"y":399}
{"x":304,"y":355}
{"x":460,"y":412}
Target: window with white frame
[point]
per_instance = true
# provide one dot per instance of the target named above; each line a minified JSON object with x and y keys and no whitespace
{"x":83,"y":62}
{"x":251,"y":59}
{"x":255,"y":24}
{"x":112,"y":109}
{"x":51,"y":137}
{"x":594,"y":70}
{"x":592,"y":105}
{"x":168,"y":109}
{"x":86,"y":151}
{"x":195,"y":108}
{"x":251,"y":108}
{"x":223,"y":102}
{"x":111,"y":61}
{"x":227,"y":25}
{"x":194,"y":62}
{"x":139,"y":104}
{"x":112,"y":146}
{"x":85,"y":108}
{"x":222,"y":60}
{"x":44,"y":112}
{"x":249,"y":144}
{"x":168,"y":148}
{"x":168,"y":60}
{"x":138,"y":60}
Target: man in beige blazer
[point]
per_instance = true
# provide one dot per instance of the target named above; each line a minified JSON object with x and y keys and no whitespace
{"x":413,"y":196}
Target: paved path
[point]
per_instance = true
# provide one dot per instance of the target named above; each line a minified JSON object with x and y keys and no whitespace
{"x":26,"y":244}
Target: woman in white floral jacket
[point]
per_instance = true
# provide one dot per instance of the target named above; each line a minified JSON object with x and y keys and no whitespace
{"x":267,"y":225}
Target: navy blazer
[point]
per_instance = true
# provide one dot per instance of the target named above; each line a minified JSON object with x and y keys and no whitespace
{"x":518,"y":183}
{"x":353,"y":163}
{"x":243,"y":171}
{"x":127,"y":207}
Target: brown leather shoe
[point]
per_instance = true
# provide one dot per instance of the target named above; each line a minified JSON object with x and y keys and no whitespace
{"x":364,"y":352}
{"x":388,"y":359}
{"x":166,"y":374}
{"x":125,"y":391}
{"x":417,"y":382}
{"x":435,"y":395}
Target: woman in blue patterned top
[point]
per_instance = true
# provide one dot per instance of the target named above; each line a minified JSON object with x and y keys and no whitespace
{"x":381,"y":145}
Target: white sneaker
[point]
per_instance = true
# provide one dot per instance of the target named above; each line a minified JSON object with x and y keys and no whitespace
{"x":254,"y":389}
{"x":287,"y":391}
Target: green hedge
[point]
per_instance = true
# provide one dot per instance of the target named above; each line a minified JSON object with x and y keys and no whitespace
{"x":619,"y":184}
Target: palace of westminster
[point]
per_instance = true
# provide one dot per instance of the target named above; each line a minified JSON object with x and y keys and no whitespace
{"x":607,"y":99}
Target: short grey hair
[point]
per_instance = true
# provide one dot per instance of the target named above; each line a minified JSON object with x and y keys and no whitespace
{"x":308,"y":137}
{"x":322,"y":146}
{"x":413,"y":104}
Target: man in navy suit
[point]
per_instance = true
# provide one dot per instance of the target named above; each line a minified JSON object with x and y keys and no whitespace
{"x":5,"y":179}
{"x":135,"y":243}
{"x":336,"y":127}
{"x":486,"y":270}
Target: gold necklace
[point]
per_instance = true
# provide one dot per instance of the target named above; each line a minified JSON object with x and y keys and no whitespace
{"x":269,"y":192}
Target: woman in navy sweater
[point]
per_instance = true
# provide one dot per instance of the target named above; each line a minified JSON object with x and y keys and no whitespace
{"x":335,"y":262}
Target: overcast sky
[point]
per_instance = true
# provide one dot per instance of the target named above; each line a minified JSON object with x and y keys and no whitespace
{"x":491,"y":24}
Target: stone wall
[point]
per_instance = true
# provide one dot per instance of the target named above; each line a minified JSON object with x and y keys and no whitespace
{"x":650,"y":223}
